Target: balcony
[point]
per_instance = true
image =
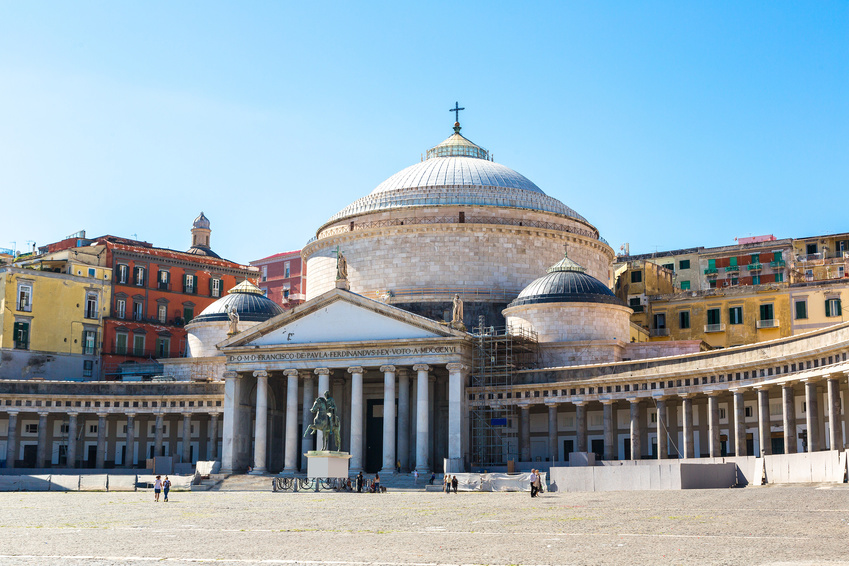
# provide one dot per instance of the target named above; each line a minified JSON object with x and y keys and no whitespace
{"x":732,"y":268}
{"x":711,"y":328}
{"x":777,"y":264}
{"x":754,"y":267}
{"x":660,"y":332}
{"x":711,"y":270}
{"x":770,"y":323}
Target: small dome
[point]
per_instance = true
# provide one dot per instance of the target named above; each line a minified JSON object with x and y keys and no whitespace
{"x":201,"y":222}
{"x":202,"y":250}
{"x":566,"y":282}
{"x":249,"y":301}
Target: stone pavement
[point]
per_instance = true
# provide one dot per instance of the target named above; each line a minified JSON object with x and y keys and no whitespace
{"x":770,"y":525}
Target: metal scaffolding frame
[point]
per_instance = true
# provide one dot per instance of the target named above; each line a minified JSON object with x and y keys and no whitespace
{"x":498,"y":352}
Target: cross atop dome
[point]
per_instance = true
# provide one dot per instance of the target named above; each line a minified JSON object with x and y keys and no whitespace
{"x":456,"y":111}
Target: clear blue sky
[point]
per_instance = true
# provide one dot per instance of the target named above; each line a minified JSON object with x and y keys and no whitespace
{"x":666,"y":124}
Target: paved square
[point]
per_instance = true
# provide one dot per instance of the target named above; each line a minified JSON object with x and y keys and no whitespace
{"x":773,"y":525}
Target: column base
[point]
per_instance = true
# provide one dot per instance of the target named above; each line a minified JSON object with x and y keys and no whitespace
{"x":388,"y":472}
{"x":258,"y":472}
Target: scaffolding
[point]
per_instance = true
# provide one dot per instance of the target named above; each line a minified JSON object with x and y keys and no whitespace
{"x":498,"y":353}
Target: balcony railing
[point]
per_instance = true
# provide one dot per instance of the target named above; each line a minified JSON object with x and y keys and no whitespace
{"x":754,"y":267}
{"x":777,"y":263}
{"x":660,"y":332}
{"x":709,"y":328}
{"x":732,"y":268}
{"x":769,"y":323}
{"x":711,"y":271}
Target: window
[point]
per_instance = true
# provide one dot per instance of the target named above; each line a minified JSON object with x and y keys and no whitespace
{"x":25,"y":298}
{"x":732,"y":261}
{"x":841,"y":272}
{"x":811,"y":249}
{"x":163,"y":278}
{"x":713,"y":316}
{"x":138,"y":310}
{"x":669,"y":266}
{"x":188,"y":314}
{"x":660,"y":321}
{"x":779,"y":277}
{"x":832,"y":307}
{"x":121,"y":308}
{"x":92,"y":429}
{"x":735,"y":315}
{"x":756,"y":279}
{"x":91,"y":305}
{"x":748,"y":411}
{"x":735,"y":281}
{"x":20,"y":331}
{"x":121,"y":343}
{"x":767,"y":312}
{"x":88,"y":367}
{"x":123,"y":273}
{"x":138,"y":276}
{"x":756,"y":258}
{"x":163,"y":314}
{"x":265,"y":273}
{"x":684,"y":319}
{"x":88,"y":342}
{"x":636,"y":277}
{"x":685,"y":285}
{"x":723,"y":414}
{"x":684,"y":264}
{"x":91,"y":272}
{"x":809,"y":275}
{"x":138,"y":344}
{"x":286,"y":270}
{"x":163,"y":346}
{"x":711,"y":264}
{"x":286,"y":292}
{"x":776,"y":256}
{"x":189,"y":283}
{"x":215,"y":287}
{"x":31,"y":428}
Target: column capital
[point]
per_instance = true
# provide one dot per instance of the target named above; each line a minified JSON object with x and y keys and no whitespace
{"x":607,"y":401}
{"x":72,"y":414}
{"x":356,"y":369}
{"x":421,"y":367}
{"x":290,"y":372}
{"x":387,"y":369}
{"x":230,"y":375}
{"x":524,"y":406}
{"x":453,"y":367}
{"x":322,"y":371}
{"x":102,"y":415}
{"x":260,"y":373}
{"x":634,"y":400}
{"x":214,"y":415}
{"x":579,"y":403}
{"x":130,"y":415}
{"x":186,"y":415}
{"x":43,"y":413}
{"x":551,"y":404}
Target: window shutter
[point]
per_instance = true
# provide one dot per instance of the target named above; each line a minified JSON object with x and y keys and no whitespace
{"x":210,"y":286}
{"x":185,"y":282}
{"x":839,"y":308}
{"x":195,"y":284}
{"x":827,"y":308}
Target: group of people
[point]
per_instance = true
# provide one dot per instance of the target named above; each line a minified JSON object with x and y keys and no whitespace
{"x":373,"y":487}
{"x":536,"y":483}
{"x":449,"y":482}
{"x":160,"y":486}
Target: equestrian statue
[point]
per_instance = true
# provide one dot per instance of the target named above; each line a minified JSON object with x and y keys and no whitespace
{"x":326,"y":420}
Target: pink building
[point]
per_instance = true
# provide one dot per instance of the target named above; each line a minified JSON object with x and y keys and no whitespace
{"x":283,"y":278}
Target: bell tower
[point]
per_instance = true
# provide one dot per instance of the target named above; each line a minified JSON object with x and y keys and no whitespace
{"x":201,"y":232}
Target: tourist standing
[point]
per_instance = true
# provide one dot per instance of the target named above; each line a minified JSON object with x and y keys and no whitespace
{"x":446,"y":483}
{"x":166,"y":487}
{"x":539,"y":482}
{"x":157,"y":487}
{"x":432,"y":478}
{"x":454,"y":483}
{"x":360,"y":482}
{"x":415,"y":476}
{"x":533,"y":480}
{"x":376,"y":483}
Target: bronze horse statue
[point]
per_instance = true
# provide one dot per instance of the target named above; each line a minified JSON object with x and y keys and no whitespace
{"x":324,"y":422}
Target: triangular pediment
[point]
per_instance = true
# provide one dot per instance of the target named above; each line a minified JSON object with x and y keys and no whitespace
{"x":340,"y":316}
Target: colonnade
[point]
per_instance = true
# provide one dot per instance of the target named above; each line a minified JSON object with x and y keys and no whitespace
{"x":410,"y":442}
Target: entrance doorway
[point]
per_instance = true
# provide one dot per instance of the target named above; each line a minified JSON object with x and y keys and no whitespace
{"x":91,"y":456}
{"x":30,"y":455}
{"x":374,"y":435}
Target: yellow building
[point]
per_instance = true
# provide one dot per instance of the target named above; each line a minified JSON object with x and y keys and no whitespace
{"x":818,"y":305}
{"x":820,"y":258}
{"x":730,"y":316}
{"x":635,"y":282}
{"x":51,"y":313}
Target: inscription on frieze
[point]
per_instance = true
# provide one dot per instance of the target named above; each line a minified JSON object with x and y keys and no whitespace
{"x":339,"y":354}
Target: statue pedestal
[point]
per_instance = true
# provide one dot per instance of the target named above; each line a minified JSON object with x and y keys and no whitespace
{"x":327,"y":464}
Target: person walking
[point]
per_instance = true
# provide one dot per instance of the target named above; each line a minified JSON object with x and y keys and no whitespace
{"x":166,"y":487}
{"x":533,"y":480}
{"x":157,"y":488}
{"x":454,"y":484}
{"x":415,"y":476}
{"x":432,"y":478}
{"x":539,"y":482}
{"x":446,"y":483}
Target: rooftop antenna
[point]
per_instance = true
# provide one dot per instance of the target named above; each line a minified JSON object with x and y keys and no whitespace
{"x":135,"y":236}
{"x":28,"y":242}
{"x":14,"y":249}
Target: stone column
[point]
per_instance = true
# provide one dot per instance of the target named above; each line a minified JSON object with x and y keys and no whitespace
{"x":609,"y":428}
{"x":662,"y":441}
{"x":422,"y":422}
{"x":580,"y":425}
{"x":835,"y":431}
{"x":261,"y":422}
{"x":788,"y":398}
{"x":672,"y":427}
{"x":356,"y":463}
{"x":525,"y":433}
{"x":713,"y":425}
{"x":308,"y":442}
{"x":552,"y":432}
{"x":187,"y":438}
{"x":12,"y":440}
{"x":813,"y":416}
{"x":101,"y":440}
{"x":323,"y":387}
{"x":290,"y":449}
{"x":763,"y":422}
{"x":72,"y":441}
{"x":231,"y":408}
{"x":41,"y":459}
{"x":455,"y":410}
{"x":388,"y":420}
{"x":739,"y":424}
{"x":129,"y":451}
{"x":687,"y":420}
{"x":636,"y":429}
{"x":404,"y":419}
{"x":212,"y":449}
{"x":157,"y":451}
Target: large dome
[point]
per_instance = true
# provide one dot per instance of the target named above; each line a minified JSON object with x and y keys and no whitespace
{"x":456,"y":172}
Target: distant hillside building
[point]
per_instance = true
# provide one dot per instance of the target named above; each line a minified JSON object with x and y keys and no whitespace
{"x":283,"y":278}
